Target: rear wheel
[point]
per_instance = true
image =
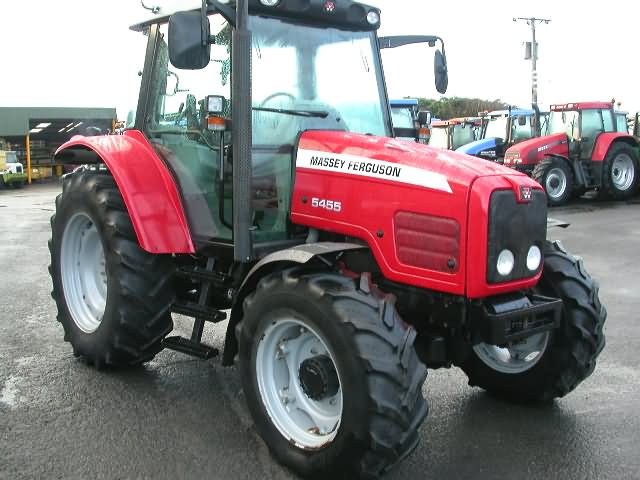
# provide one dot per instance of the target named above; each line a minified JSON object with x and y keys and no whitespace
{"x":620,"y":172}
{"x":556,"y":178}
{"x":550,"y":364}
{"x":113,"y":298}
{"x":330,"y":374}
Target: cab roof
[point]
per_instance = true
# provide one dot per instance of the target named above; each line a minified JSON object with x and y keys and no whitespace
{"x":344,"y":14}
{"x":562,"y":107}
{"x":405,"y":102}
{"x":455,"y":121}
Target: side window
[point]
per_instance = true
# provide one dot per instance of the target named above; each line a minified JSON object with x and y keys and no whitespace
{"x":607,"y":117}
{"x":591,"y":124}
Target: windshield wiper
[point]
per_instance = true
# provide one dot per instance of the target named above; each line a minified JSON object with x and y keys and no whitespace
{"x":299,"y":113}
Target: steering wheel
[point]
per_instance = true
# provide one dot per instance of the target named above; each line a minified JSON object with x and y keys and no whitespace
{"x":277,"y":94}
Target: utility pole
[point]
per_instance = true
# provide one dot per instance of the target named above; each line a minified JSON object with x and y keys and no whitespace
{"x":532,"y":21}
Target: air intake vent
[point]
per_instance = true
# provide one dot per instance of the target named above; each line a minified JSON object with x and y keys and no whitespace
{"x":429,"y":242}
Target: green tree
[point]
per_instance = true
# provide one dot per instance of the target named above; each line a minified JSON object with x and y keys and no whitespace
{"x":452,"y":107}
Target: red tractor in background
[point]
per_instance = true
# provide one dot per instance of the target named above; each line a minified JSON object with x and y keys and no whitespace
{"x":350,"y":261}
{"x":584,"y":150}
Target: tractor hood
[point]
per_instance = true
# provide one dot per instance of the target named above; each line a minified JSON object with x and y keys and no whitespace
{"x":532,"y":151}
{"x":421,"y":210}
{"x":475,"y":148}
{"x":388,"y":159}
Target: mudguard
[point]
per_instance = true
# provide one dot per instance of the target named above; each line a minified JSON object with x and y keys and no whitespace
{"x":299,"y":255}
{"x":605,"y":140}
{"x":474,"y":148}
{"x":148,"y":188}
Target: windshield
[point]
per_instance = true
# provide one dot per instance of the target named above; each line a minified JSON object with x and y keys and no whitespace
{"x":298,"y":68}
{"x":496,"y":127}
{"x":564,"y":122}
{"x":402,"y":117}
{"x":439,"y":137}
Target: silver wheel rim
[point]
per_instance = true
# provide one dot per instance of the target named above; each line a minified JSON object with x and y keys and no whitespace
{"x":307,"y":423}
{"x":516,"y":358}
{"x":84,"y":276}
{"x":555,"y":183}
{"x":622,"y":172}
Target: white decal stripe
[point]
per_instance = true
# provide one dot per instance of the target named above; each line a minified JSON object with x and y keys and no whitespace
{"x":367,"y":167}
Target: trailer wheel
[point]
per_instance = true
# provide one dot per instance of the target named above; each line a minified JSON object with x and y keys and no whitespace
{"x":113,"y":298}
{"x":551,"y":364}
{"x":556,"y":178}
{"x":620,"y":172}
{"x":330,"y":374}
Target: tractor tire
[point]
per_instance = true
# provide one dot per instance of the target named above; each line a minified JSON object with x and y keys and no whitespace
{"x":565,"y":356}
{"x":18,"y":185}
{"x":330,"y":374}
{"x":113,"y":298}
{"x":620,"y":172}
{"x":556,"y":178}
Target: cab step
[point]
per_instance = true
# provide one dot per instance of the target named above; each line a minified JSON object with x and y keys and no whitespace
{"x":200,"y":311}
{"x":197,"y":310}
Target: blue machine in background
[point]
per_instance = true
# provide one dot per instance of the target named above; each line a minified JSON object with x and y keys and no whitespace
{"x":503,"y":128}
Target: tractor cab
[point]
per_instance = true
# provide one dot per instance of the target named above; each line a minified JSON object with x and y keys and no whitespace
{"x":316,"y":69}
{"x":584,"y":149}
{"x":504,"y":128}
{"x":454,"y":133}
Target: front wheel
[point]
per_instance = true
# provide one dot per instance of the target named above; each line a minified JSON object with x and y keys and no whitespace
{"x":556,"y":178}
{"x":620,"y":172}
{"x":550,"y":364}
{"x":330,"y":374}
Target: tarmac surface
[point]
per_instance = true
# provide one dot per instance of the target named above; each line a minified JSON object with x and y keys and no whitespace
{"x":179,"y":417}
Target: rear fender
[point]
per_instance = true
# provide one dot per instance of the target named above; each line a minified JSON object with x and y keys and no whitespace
{"x":605,"y":140}
{"x":148,"y":188}
{"x":298,"y":255}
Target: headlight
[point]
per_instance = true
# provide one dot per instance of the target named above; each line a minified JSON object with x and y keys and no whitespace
{"x":534,"y":257}
{"x":505,"y":262}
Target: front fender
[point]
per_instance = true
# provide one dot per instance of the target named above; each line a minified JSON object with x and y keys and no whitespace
{"x":148,"y":188}
{"x":298,"y":255}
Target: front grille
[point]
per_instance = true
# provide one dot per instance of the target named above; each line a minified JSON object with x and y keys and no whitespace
{"x":426,"y":241}
{"x":515,"y":226}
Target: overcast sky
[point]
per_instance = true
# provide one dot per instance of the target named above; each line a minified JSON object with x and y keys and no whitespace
{"x":81,"y":52}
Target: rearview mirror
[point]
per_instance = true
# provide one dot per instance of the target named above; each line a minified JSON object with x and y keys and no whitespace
{"x":189,"y":44}
{"x":440,"y":72}
{"x":424,"y":117}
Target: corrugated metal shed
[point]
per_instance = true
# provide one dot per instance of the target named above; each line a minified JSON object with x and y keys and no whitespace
{"x":14,"y":121}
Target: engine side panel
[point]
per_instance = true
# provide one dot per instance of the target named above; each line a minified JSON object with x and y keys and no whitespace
{"x":363,"y":191}
{"x":149,"y":191}
{"x":531,"y":152}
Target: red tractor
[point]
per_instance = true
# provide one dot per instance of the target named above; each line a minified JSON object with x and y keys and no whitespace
{"x":584,"y":150}
{"x":350,"y":261}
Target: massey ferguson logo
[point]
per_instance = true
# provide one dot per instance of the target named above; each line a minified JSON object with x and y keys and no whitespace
{"x":525,"y":193}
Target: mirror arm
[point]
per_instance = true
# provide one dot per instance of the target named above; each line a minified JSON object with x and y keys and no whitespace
{"x":226,"y":11}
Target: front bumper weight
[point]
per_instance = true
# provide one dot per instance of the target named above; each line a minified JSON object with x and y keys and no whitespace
{"x":509,"y":319}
